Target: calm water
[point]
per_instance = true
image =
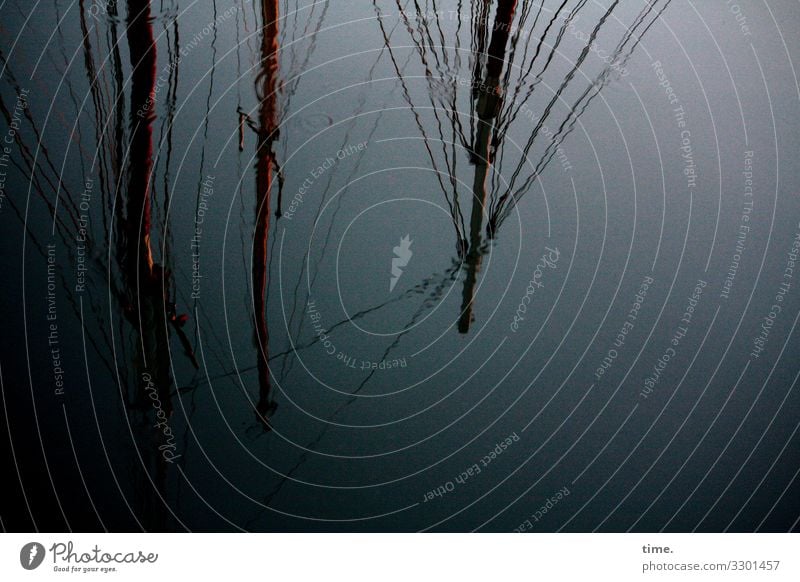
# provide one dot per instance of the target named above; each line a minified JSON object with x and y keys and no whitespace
{"x":393,"y":266}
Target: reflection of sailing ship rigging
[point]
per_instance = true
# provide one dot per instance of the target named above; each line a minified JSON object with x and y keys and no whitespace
{"x":499,"y":52}
{"x":145,"y":282}
{"x":141,"y":285}
{"x":489,"y":107}
{"x":502,"y":80}
{"x":498,"y":44}
{"x":266,"y":129}
{"x":615,"y":62}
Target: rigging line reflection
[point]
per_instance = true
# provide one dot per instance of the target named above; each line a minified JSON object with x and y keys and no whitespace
{"x":455,"y":212}
{"x":311,"y":446}
{"x":289,"y":359}
{"x":581,"y":104}
{"x":545,"y":115}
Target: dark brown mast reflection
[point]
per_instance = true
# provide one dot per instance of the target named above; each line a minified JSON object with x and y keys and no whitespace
{"x":145,"y":282}
{"x":135,"y":252}
{"x":489,"y":97}
{"x":142,"y":279}
{"x":267,"y":133}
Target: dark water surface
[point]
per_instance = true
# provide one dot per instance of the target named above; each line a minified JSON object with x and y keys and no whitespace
{"x":393,"y":266}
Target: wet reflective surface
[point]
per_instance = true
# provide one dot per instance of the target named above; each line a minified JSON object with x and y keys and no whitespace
{"x":392,"y":266}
